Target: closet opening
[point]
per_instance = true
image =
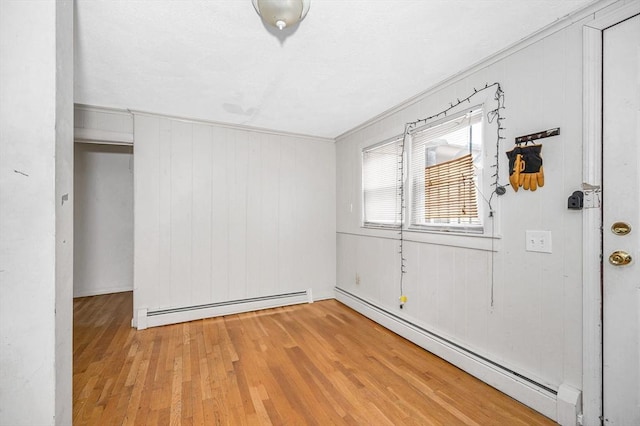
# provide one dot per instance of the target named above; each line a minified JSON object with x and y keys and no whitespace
{"x":103,"y":219}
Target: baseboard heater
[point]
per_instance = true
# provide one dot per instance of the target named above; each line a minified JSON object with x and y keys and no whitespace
{"x":157,"y":317}
{"x":528,"y":391}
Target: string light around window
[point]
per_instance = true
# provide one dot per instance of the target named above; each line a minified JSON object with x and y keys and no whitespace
{"x":494,"y":115}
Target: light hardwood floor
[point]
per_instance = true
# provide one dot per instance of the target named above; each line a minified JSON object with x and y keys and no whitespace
{"x":312,"y":364}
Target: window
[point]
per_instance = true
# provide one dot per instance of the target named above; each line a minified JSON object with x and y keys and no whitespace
{"x":444,"y":170}
{"x":446,"y":160}
{"x":381,"y":179}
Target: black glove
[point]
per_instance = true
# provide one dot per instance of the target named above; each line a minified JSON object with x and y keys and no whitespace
{"x":532,"y":174}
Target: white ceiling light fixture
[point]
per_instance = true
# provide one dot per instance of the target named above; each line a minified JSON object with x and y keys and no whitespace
{"x":281,"y":13}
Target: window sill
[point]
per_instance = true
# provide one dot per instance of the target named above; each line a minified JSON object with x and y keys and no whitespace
{"x":476,"y":241}
{"x":446,"y":229}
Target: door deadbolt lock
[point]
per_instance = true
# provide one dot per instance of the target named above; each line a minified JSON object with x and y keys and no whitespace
{"x":620,"y":228}
{"x":619,"y":258}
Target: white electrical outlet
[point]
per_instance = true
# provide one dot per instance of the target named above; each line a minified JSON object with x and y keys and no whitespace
{"x":539,"y":241}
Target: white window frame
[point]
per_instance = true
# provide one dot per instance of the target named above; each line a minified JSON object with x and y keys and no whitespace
{"x":443,"y":229}
{"x":410,"y":222}
{"x":377,"y":224}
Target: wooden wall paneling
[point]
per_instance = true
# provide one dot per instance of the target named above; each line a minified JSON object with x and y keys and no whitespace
{"x":560,"y":278}
{"x":343,"y":179}
{"x":552,"y":298}
{"x":355,"y":164}
{"x":222,"y":170}
{"x":497,"y":340}
{"x":317,"y":205}
{"x":287,"y":218}
{"x":368,"y":255}
{"x":181,"y":188}
{"x":240,"y":214}
{"x":256,"y":236}
{"x":390,"y":286}
{"x":386,"y":284}
{"x":523,"y":309}
{"x":202,"y":213}
{"x":545,"y":290}
{"x":161,"y":297}
{"x":478,"y":298}
{"x":237,"y":199}
{"x":306,"y":219}
{"x":411,"y":280}
{"x":569,"y":232}
{"x":445,"y":289}
{"x":461,"y":294}
{"x":269,"y":261}
{"x":389,"y":279}
{"x":368,"y":267}
{"x":346,"y":269}
{"x":427,"y":284}
{"x":146,"y":212}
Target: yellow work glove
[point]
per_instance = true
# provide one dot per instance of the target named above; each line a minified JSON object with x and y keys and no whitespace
{"x":515,"y":167}
{"x":532,"y":173}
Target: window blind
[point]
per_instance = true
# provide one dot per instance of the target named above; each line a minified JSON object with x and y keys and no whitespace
{"x":450,"y":190}
{"x":381,"y":179}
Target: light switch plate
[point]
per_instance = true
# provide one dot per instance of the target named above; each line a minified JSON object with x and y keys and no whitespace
{"x":539,"y":241}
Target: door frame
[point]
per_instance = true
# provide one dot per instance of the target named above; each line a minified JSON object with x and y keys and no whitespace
{"x":592,"y":408}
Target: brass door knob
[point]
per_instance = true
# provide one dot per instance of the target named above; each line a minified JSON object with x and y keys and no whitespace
{"x":619,"y":258}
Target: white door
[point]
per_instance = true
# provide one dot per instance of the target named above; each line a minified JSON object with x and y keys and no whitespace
{"x":621,"y":223}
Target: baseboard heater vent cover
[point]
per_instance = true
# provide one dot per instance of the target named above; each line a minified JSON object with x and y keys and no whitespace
{"x":157,"y":317}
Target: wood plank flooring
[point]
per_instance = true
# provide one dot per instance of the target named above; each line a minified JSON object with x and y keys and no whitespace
{"x":312,"y":364}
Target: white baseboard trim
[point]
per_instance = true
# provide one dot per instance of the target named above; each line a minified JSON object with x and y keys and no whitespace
{"x":323,"y":295}
{"x":536,"y":396}
{"x":86,"y":293}
{"x":146,"y":318}
{"x":569,"y":405}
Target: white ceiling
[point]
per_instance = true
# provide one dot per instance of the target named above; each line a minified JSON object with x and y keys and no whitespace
{"x":345,"y":63}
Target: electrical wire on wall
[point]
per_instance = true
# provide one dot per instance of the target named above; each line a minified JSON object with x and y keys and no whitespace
{"x":498,"y":189}
{"x":400,"y":174}
{"x":495,"y":115}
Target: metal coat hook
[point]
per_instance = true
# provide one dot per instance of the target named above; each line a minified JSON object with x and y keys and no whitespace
{"x":535,"y":136}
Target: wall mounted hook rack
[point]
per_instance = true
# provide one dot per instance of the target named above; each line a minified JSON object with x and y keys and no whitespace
{"x":539,"y":135}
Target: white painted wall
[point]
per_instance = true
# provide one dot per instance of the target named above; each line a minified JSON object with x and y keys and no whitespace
{"x":36,"y":212}
{"x":224,"y":213}
{"x":534,"y":326}
{"x":103,"y":219}
{"x":64,"y":212}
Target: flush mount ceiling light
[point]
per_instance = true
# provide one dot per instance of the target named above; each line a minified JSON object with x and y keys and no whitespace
{"x":281,"y":13}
